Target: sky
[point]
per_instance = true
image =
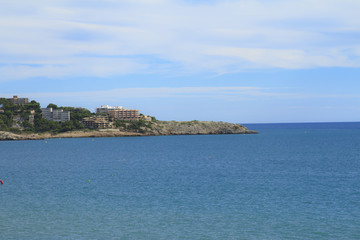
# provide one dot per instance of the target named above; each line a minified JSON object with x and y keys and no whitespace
{"x":241,"y":61}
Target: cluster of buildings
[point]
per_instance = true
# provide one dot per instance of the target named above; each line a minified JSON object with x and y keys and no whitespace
{"x":97,"y":122}
{"x":119,"y":113}
{"x":20,"y":102}
{"x":106,"y":112}
{"x":17,"y":101}
{"x":105,"y":115}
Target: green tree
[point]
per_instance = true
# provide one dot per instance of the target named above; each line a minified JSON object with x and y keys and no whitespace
{"x":67,"y":126}
{"x":3,"y":101}
{"x":53,"y":106}
{"x":77,"y":115}
{"x":43,"y":125}
{"x":3,"y":125}
{"x":33,"y":105}
{"x":9,"y":117}
{"x":27,"y":126}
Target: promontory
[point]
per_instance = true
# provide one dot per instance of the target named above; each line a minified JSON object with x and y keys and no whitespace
{"x":21,"y":119}
{"x":160,"y":128}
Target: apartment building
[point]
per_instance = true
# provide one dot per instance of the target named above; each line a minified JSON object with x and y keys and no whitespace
{"x":57,"y":115}
{"x":105,"y":109}
{"x":119,"y":113}
{"x":96,"y":122}
{"x":124,"y":114}
{"x":47,"y":113}
{"x":18,"y":101}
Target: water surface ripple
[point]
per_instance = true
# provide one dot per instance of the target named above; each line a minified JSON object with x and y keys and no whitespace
{"x":299,"y":181}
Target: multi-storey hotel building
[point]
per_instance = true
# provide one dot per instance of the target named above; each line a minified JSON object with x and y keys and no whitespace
{"x":124,"y":114}
{"x":18,"y":101}
{"x":57,"y":115}
{"x":119,"y":113}
{"x":96,"y":122}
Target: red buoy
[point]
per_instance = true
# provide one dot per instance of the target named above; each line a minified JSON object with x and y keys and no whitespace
{"x":1,"y":181}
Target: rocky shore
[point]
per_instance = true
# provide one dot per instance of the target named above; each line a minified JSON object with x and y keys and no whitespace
{"x":160,"y":128}
{"x":198,"y":127}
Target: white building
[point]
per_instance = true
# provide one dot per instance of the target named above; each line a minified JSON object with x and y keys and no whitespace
{"x":106,"y":108}
{"x":57,"y":115}
{"x":47,"y":113}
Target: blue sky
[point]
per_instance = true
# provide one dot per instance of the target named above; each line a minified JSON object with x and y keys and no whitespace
{"x":246,"y":61}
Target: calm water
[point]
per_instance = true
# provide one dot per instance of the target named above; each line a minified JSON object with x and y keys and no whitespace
{"x":292,"y":181}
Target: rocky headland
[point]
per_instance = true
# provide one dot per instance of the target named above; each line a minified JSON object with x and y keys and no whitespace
{"x":159,"y":128}
{"x":198,"y":127}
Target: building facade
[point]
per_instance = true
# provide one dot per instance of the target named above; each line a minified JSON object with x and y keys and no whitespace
{"x":124,"y":114}
{"x":47,"y":113}
{"x":18,"y":101}
{"x":57,"y":115}
{"x":105,"y":109}
{"x":60,"y":115}
{"x":96,"y":122}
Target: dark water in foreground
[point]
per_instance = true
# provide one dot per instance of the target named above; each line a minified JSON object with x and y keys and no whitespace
{"x":291,"y":181}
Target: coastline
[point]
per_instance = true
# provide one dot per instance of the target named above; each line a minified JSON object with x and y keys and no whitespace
{"x":6,"y":136}
{"x":160,"y":129}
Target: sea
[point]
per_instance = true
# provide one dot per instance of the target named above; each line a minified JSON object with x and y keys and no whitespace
{"x":290,"y":181}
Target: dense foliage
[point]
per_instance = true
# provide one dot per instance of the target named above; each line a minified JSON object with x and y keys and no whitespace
{"x":11,"y":110}
{"x":15,"y":118}
{"x":40,"y":124}
{"x":137,"y":126}
{"x":76,"y":115}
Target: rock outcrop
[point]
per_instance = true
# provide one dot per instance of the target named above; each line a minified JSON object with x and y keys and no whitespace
{"x":13,"y":136}
{"x":198,"y":127}
{"x":72,"y":134}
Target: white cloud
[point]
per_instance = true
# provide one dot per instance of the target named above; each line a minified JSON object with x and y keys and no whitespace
{"x":90,"y":67}
{"x":281,"y":58}
{"x":103,"y":38}
{"x":162,"y":92}
{"x":182,"y":92}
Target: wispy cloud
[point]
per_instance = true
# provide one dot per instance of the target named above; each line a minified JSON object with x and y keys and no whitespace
{"x":109,"y":38}
{"x":162,"y":92}
{"x":184,"y":92}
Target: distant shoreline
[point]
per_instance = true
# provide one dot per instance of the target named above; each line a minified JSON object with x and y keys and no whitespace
{"x":161,"y":129}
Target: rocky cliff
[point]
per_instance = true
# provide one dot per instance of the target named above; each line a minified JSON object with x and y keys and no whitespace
{"x":157,"y":129}
{"x":13,"y":136}
{"x":198,"y":127}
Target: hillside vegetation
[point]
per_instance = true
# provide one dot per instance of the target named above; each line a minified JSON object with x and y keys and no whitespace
{"x":15,"y":125}
{"x":15,"y":118}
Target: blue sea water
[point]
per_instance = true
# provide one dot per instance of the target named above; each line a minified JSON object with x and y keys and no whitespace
{"x":291,"y":181}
